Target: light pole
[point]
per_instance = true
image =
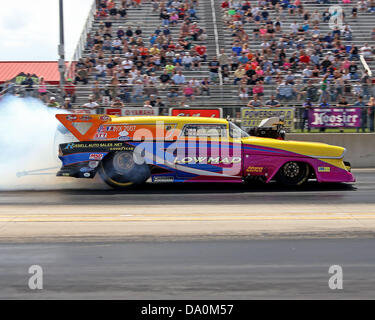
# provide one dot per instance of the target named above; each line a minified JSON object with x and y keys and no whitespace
{"x":61,"y":48}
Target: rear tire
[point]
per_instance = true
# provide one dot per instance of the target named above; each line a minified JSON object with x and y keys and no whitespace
{"x":120,"y":171}
{"x":293,"y":173}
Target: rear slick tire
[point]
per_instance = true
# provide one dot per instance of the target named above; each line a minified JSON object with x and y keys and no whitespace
{"x":120,"y":171}
{"x":293,"y":173}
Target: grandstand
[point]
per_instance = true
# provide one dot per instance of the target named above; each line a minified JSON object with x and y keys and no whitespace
{"x":225,"y":26}
{"x":219,"y":36}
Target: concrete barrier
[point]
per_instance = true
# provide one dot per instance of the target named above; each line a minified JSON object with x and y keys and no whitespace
{"x":360,"y":146}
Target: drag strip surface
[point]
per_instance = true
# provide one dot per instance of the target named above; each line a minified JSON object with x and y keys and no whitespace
{"x":186,"y":211}
{"x":252,"y":269}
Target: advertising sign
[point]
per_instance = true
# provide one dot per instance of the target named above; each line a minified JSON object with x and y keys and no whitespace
{"x":113,"y":111}
{"x":252,"y":117}
{"x":131,"y":112}
{"x":82,"y":111}
{"x":197,"y":112}
{"x":335,"y":117}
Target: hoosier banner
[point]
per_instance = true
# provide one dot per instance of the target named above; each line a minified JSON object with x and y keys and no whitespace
{"x":252,"y":117}
{"x":335,"y":118}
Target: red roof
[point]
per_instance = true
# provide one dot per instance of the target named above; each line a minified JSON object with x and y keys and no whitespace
{"x":46,"y":69}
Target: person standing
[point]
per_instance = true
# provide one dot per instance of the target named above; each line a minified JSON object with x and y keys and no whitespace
{"x":371,"y":113}
{"x":307,"y":106}
{"x":42,"y":90}
{"x":360,"y":104}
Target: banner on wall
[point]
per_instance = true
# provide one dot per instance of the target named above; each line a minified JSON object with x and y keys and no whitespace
{"x":251,"y":118}
{"x":335,"y":117}
{"x":131,"y":112}
{"x":196,"y":112}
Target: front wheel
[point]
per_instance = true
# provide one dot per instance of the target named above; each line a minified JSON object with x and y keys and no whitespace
{"x":120,"y":170}
{"x":293,"y":173}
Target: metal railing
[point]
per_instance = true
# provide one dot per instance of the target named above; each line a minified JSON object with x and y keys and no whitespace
{"x":81,"y":45}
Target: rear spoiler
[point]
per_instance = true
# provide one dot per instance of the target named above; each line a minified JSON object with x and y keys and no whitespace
{"x":79,"y":124}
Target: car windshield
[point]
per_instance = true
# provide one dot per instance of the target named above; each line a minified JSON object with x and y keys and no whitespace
{"x":236,"y":132}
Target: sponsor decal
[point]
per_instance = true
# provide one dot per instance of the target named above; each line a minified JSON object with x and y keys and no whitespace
{"x":123,"y":138}
{"x":71,"y":118}
{"x":335,"y":117}
{"x":118,"y":128}
{"x":70,"y":146}
{"x":123,"y":133}
{"x":165,"y":179}
{"x":93,"y":164}
{"x":255,"y":169}
{"x":98,"y":147}
{"x":207,"y":160}
{"x":96,"y":156}
{"x":87,"y":175}
{"x":100,"y":135}
{"x":85,"y":118}
{"x":324,"y":169}
{"x":105,"y":118}
{"x":84,"y":170}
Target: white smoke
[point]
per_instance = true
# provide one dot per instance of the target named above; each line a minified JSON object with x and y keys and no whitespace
{"x":29,"y":147}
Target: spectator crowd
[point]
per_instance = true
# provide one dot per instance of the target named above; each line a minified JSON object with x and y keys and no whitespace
{"x":270,"y":62}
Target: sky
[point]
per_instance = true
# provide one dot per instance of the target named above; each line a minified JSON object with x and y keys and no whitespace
{"x":29,"y":30}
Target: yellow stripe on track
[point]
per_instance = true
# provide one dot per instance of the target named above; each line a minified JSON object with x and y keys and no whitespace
{"x":192,"y":217}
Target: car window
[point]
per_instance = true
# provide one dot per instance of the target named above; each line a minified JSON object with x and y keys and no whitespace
{"x":205,"y":130}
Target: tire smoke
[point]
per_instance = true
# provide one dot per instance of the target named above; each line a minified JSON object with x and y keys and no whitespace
{"x":29,"y":142}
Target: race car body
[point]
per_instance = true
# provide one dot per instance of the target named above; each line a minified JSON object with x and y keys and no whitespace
{"x":129,"y":151}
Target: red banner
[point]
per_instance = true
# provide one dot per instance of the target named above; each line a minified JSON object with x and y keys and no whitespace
{"x":195,"y":112}
{"x":113,"y":112}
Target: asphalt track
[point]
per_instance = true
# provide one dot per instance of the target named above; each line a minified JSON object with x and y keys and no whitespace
{"x":190,"y":211}
{"x":246,"y":269}
{"x":190,"y":241}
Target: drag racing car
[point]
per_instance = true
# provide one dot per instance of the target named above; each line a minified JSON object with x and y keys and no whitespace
{"x":129,"y":151}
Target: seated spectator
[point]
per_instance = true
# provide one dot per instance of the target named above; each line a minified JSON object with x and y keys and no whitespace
{"x":100,"y":71}
{"x":285,"y":91}
{"x":243,"y":92}
{"x":188,"y":92}
{"x":92,"y":104}
{"x":366,"y":50}
{"x":53,"y":103}
{"x":70,"y":91}
{"x":201,"y":51}
{"x":67,"y":104}
{"x":172,"y":95}
{"x":255,"y":103}
{"x":179,"y":78}
{"x":81,"y":76}
{"x":117,"y":103}
{"x":273,"y":102}
{"x":138,"y":90}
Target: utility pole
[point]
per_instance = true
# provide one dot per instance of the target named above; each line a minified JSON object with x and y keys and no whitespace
{"x":61,"y":48}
